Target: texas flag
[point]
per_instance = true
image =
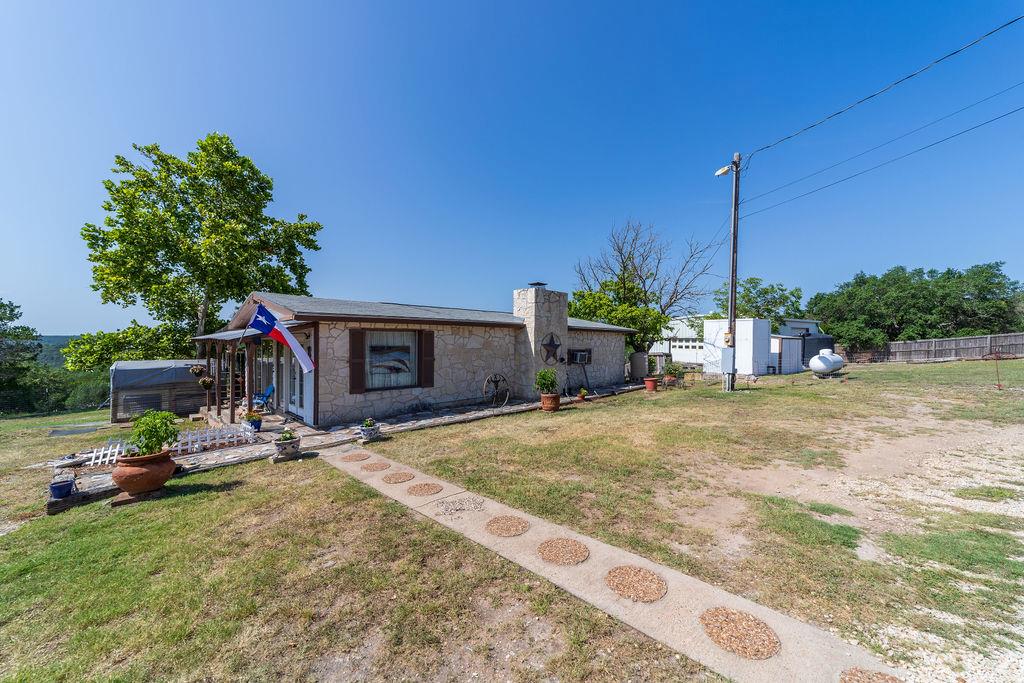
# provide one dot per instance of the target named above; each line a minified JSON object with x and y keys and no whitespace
{"x":264,"y":321}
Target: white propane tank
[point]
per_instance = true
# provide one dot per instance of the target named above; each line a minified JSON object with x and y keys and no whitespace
{"x":826,"y":362}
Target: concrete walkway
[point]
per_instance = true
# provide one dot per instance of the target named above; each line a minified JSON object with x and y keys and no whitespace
{"x":805,"y":653}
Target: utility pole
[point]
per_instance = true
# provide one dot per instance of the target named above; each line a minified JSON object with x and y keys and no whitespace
{"x":729,"y":352}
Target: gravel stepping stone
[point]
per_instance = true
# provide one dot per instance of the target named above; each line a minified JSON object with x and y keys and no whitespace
{"x":636,"y":583}
{"x":507,"y":526}
{"x":398,"y":477}
{"x":375,"y":466}
{"x":740,"y":633}
{"x":563,"y":551}
{"x":355,"y":457}
{"x":859,"y":675}
{"x":425,"y":489}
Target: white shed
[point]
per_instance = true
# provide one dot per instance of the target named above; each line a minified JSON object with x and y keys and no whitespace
{"x":787,"y":354}
{"x":680,"y":342}
{"x":752,"y":343}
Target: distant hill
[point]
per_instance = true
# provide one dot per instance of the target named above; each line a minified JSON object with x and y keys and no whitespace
{"x":52,"y":344}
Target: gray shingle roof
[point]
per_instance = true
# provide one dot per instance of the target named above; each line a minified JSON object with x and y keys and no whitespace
{"x":578,"y":324}
{"x":315,"y":307}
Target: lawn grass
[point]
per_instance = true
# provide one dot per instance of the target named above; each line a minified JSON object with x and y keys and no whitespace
{"x":26,"y":441}
{"x":282,"y":572}
{"x":788,"y":518}
{"x":613,"y":469}
{"x":277,"y":571}
{"x":994,"y":494}
{"x":827,"y":509}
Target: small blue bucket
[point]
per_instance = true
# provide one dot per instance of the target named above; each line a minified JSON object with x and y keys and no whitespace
{"x":62,"y":488}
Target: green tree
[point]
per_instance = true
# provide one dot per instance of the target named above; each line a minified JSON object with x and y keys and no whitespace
{"x":754,"y":299}
{"x":185,"y":236}
{"x":641,"y":281}
{"x":901,"y":305}
{"x":610,"y":305}
{"x":19,"y":347}
{"x":45,"y":388}
{"x":98,"y":350}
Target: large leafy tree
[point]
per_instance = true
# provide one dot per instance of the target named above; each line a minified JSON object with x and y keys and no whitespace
{"x":901,"y":304}
{"x":640,"y":280}
{"x":19,"y":347}
{"x":623,"y":304}
{"x":185,"y":236}
{"x":99,"y":350}
{"x":755,"y":299}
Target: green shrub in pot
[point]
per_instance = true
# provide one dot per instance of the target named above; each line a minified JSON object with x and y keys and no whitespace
{"x":154,"y":430}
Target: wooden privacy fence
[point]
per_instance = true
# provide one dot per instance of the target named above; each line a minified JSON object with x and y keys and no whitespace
{"x":955,"y":348}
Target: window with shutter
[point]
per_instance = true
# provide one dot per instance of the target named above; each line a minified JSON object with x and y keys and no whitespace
{"x":391,"y":359}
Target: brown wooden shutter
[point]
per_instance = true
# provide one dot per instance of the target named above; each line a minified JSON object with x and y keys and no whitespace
{"x":357,"y":361}
{"x":426,"y":356}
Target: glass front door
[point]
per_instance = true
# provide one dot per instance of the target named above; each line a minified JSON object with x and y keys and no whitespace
{"x":300,"y":384}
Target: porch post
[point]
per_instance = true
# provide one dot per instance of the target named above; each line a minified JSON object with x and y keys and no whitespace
{"x":250,"y":373}
{"x":216,"y":379}
{"x":278,"y":381}
{"x":206,"y":349}
{"x":231,"y":383}
{"x":316,"y":375}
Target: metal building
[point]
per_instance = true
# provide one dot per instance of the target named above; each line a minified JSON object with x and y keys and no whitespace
{"x":140,"y":385}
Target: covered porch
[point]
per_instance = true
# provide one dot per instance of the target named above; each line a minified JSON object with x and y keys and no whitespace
{"x":244,"y":364}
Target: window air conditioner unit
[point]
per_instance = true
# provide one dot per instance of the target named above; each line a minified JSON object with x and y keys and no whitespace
{"x":579,"y":357}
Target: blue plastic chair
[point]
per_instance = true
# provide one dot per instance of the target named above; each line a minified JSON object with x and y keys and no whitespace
{"x":263,"y":400}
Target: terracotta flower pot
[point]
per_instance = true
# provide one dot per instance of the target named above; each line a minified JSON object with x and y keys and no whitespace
{"x":143,"y":473}
{"x":651,"y":383}
{"x":549,"y":402}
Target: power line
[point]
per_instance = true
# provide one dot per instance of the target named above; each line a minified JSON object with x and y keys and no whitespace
{"x":886,"y":88}
{"x":884,"y":163}
{"x":884,"y":144}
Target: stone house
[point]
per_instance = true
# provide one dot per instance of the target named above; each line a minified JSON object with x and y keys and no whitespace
{"x":382,"y":359}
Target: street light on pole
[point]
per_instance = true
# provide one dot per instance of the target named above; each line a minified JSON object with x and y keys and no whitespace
{"x":729,"y":352}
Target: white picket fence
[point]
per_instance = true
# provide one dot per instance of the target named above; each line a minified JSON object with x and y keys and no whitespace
{"x":196,"y":440}
{"x":190,"y":441}
{"x":107,"y":454}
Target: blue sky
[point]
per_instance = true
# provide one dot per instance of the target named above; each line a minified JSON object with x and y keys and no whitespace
{"x":455,"y":151}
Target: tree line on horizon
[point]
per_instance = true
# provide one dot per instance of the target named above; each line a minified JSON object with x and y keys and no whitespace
{"x":638,"y":281}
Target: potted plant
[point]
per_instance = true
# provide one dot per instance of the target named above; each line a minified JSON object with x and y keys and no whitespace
{"x":582,"y":395}
{"x":651,"y":383}
{"x":254,"y":419}
{"x":672,"y":372}
{"x":369,"y":430}
{"x":287,"y":445}
{"x":206,"y":383}
{"x":197,"y":370}
{"x":546,"y":383}
{"x":152,"y":466}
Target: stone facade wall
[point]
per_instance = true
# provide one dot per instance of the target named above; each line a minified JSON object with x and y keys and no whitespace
{"x":464,"y":356}
{"x":545,"y":311}
{"x":608,"y":358}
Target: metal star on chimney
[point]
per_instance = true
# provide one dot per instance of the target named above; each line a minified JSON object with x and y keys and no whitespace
{"x":551,"y":344}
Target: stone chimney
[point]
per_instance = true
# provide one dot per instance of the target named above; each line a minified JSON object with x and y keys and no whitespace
{"x":543,"y":343}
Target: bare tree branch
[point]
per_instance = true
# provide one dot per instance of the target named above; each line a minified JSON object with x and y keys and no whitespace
{"x":671,"y":282}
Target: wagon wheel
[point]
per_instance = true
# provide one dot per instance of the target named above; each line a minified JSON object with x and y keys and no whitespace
{"x":496,"y":390}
